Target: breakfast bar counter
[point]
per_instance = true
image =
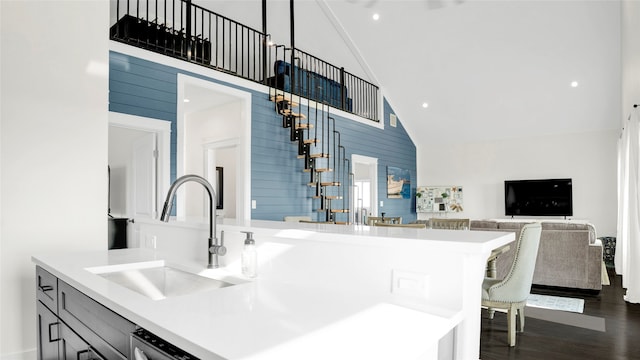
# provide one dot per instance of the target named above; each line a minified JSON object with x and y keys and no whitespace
{"x":322,"y":291}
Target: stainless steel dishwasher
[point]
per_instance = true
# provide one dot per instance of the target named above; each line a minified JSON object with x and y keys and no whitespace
{"x":147,"y":346}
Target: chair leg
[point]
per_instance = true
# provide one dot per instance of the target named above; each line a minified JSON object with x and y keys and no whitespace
{"x":521,"y":316}
{"x":511,"y":325}
{"x":491,"y":313}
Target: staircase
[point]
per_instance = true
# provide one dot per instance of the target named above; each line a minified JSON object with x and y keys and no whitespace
{"x":323,"y":154}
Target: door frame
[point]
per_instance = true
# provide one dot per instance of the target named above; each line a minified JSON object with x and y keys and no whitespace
{"x":210,"y":149}
{"x":243,"y":180}
{"x":162,"y":129}
{"x":372,"y":163}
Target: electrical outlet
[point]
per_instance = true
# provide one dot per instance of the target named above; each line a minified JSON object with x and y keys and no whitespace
{"x":410,"y":283}
{"x":253,"y":204}
{"x":150,"y":241}
{"x":381,"y":203}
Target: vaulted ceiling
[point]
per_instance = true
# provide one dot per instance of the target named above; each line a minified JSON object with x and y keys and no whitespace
{"x":487,"y":69}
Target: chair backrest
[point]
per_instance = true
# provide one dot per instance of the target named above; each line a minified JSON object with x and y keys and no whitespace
{"x":517,"y":284}
{"x":415,"y":226}
{"x":297,"y":218}
{"x":451,"y":224}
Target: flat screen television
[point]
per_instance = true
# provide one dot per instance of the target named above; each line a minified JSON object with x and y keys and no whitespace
{"x":549,"y":197}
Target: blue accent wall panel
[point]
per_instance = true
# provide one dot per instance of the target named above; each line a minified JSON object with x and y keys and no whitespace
{"x":278,"y":184}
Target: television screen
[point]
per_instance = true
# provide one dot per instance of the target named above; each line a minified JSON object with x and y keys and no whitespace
{"x":550,"y":197}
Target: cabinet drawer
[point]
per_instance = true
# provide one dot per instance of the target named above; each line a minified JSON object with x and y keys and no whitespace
{"x":72,"y":347}
{"x":47,"y":289}
{"x":106,"y":331}
{"x":48,"y":333}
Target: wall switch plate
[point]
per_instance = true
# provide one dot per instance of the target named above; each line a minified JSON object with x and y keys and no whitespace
{"x":410,"y":283}
{"x":253,"y":204}
{"x":381,"y":203}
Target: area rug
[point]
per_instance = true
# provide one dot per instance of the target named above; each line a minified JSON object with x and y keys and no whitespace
{"x":556,"y":303}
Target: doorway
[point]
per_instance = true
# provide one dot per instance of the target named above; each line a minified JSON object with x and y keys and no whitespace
{"x":214,"y":126}
{"x":365,"y":180}
{"x":138,"y":165}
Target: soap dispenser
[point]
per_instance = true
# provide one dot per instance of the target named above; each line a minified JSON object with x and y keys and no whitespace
{"x":249,"y":256}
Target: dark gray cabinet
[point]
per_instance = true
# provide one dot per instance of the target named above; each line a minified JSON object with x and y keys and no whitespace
{"x":48,"y":333}
{"x":71,"y":325}
{"x":73,"y":347}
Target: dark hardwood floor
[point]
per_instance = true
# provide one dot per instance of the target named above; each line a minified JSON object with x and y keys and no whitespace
{"x":556,"y":341}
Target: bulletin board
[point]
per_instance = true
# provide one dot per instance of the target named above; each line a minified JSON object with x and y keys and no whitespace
{"x":439,"y":199}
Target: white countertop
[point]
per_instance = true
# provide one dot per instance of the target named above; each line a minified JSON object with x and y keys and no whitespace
{"x":267,"y":319}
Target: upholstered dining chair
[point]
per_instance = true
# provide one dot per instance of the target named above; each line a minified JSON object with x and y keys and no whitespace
{"x":451,"y":224}
{"x":372,"y":220}
{"x":511,"y":292}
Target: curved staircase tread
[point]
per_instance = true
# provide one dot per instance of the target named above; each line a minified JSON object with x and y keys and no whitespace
{"x":282,"y":98}
{"x":330,"y":183}
{"x":290,"y":113}
{"x":311,"y":141}
{"x":304,"y":126}
{"x":319,"y":155}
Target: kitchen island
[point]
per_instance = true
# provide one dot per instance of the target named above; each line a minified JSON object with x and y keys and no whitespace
{"x":322,"y":291}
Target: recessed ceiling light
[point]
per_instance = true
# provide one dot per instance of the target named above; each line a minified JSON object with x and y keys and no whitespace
{"x":186,"y":100}
{"x":425,"y":105}
{"x":574,"y":84}
{"x":376,"y":16}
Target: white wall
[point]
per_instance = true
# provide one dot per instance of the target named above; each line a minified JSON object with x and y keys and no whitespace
{"x":212,"y":125}
{"x":53,"y":147}
{"x":481,"y":168}
{"x":630,"y":56}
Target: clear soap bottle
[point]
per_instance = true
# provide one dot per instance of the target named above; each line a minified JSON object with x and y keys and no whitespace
{"x":249,"y":256}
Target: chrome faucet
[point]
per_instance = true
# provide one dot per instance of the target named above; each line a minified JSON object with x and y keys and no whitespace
{"x":215,"y":247}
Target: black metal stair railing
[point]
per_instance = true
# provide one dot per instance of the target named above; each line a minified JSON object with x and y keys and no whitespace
{"x":320,"y":81}
{"x":182,"y":29}
{"x":325,"y":157}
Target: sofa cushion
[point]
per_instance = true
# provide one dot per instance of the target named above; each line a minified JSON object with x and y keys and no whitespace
{"x":483,"y":224}
{"x":572,"y":226}
{"x":511,"y":225}
{"x":563,"y":226}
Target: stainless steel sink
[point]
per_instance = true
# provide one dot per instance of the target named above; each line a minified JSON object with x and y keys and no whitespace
{"x":161,"y":282}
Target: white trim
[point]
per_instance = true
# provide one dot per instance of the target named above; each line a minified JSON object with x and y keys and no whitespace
{"x":337,"y":25}
{"x":243,"y":176}
{"x":355,"y":51}
{"x":373,"y":165}
{"x":232,"y":80}
{"x":185,"y":65}
{"x":162,"y":128}
{"x":23,"y":355}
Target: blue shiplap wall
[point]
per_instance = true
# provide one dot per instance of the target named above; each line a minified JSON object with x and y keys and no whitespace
{"x":278,"y":185}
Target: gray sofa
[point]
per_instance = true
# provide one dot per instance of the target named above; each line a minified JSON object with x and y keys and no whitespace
{"x":569,"y":254}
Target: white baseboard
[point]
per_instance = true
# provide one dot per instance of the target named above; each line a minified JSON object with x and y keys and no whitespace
{"x":23,"y":355}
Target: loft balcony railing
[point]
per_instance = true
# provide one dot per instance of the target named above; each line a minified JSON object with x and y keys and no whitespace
{"x":303,"y":74}
{"x":184,"y":30}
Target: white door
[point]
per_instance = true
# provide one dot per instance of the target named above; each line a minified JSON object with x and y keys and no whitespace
{"x":145,"y":154}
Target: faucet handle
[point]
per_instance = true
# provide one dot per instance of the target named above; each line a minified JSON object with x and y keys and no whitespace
{"x":218,"y":249}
